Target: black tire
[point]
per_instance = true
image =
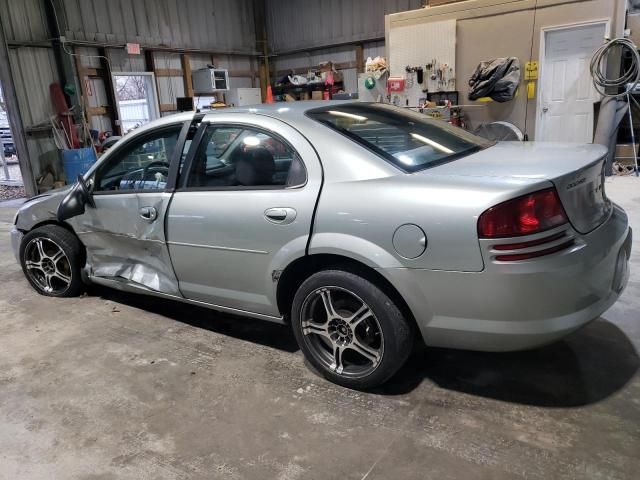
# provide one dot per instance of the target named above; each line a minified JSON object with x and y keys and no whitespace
{"x":70,"y":264}
{"x":396,"y":334}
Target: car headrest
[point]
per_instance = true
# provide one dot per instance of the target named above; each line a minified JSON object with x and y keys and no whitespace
{"x":256,"y":166}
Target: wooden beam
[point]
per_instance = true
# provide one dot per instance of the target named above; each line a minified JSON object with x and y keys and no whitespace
{"x":359,"y":58}
{"x":186,"y":75}
{"x":108,"y":86}
{"x":168,"y":107}
{"x":167,"y":72}
{"x":92,"y":72}
{"x":242,"y":73}
{"x":82,"y":76}
{"x":104,"y":110}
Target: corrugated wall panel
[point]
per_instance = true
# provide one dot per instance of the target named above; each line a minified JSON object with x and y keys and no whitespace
{"x":325,"y":22}
{"x":23,"y":21}
{"x":169,"y":88}
{"x":121,"y":61}
{"x":33,"y":71}
{"x":374,"y":49}
{"x":220,"y":25}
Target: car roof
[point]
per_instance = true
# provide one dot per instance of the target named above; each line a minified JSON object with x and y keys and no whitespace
{"x":281,"y":110}
{"x":286,"y":111}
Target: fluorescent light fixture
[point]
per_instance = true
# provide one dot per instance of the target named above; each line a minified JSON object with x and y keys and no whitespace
{"x":251,"y":141}
{"x":352,"y":116}
{"x":431,"y":143}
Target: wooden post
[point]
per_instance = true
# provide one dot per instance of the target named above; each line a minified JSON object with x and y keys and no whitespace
{"x":360,"y":58}
{"x":108,"y":86}
{"x":186,"y":75}
{"x":83,"y":78}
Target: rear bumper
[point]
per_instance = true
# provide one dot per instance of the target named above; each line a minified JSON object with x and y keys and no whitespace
{"x":523,"y":304}
{"x":16,"y":238}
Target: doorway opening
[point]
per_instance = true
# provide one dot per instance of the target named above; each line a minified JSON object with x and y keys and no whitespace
{"x":567,"y":96}
{"x":136,"y":98}
{"x":11,"y":185}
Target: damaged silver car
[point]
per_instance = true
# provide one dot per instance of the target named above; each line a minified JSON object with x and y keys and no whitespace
{"x":363,"y":226}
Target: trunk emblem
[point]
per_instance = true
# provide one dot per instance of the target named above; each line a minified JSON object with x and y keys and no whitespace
{"x":576,"y":183}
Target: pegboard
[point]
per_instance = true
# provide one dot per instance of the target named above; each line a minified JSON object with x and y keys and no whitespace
{"x":419,"y":45}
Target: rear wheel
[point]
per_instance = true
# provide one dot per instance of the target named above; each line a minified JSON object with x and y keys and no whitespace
{"x":349,"y":329}
{"x":51,"y":258}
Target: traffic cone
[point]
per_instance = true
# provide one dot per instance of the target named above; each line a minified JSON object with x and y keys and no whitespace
{"x":269,"y":98}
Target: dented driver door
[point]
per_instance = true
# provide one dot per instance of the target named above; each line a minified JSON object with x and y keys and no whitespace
{"x":124,"y":234}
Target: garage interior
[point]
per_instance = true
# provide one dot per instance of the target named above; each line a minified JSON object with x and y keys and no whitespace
{"x":116,"y":385}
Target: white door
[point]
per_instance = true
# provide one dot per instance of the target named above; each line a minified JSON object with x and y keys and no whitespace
{"x":565,"y":107}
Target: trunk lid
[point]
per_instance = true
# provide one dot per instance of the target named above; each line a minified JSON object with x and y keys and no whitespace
{"x":576,"y":170}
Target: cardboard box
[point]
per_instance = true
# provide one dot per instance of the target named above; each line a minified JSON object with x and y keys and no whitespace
{"x":316,"y":95}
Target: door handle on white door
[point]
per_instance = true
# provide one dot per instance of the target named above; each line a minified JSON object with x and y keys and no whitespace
{"x":280,"y":215}
{"x":545,"y":109}
{"x":148,"y":213}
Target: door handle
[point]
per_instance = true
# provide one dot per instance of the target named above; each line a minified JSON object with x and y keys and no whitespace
{"x":545,"y":109}
{"x":280,"y":216}
{"x":148,"y":213}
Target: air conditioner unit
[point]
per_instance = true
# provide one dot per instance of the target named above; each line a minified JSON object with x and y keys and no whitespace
{"x":209,"y":80}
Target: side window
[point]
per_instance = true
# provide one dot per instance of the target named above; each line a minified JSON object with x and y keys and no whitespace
{"x":241,"y":157}
{"x":141,"y":165}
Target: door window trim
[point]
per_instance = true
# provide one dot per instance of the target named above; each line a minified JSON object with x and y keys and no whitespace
{"x":187,"y":169}
{"x":146,"y":135}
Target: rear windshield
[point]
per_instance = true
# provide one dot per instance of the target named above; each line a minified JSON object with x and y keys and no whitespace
{"x":410,"y":140}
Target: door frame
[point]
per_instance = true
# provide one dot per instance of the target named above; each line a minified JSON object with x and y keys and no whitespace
{"x":155,"y":105}
{"x":542,"y":59}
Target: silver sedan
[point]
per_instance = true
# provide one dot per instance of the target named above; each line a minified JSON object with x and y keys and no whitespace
{"x":363,"y":226}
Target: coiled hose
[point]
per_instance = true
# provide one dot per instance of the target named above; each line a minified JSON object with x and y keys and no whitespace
{"x":628,"y":80}
{"x":617,"y":88}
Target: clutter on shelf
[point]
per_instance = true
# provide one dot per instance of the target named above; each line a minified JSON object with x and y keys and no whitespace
{"x":319,"y":83}
{"x":376,"y":67}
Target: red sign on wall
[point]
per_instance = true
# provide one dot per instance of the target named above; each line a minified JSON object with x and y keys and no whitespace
{"x":133,"y":48}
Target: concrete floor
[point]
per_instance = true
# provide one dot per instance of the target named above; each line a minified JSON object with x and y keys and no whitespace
{"x":121,"y":386}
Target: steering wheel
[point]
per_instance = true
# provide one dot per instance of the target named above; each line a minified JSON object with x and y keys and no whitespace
{"x":158,"y":163}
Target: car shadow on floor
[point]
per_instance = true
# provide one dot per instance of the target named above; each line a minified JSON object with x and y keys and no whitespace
{"x":584,"y":368}
{"x":262,"y":332}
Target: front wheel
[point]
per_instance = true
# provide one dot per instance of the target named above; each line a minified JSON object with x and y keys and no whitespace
{"x":51,"y":258}
{"x":349,"y":329}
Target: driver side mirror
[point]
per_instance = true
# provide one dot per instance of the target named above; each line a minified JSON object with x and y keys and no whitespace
{"x":73,"y":204}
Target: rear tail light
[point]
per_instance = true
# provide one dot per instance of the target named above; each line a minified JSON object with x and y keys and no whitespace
{"x":526,"y":215}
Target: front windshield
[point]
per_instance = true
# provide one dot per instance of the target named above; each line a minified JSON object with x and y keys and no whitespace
{"x":410,"y":140}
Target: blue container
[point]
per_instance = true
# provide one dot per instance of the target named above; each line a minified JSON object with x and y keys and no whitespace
{"x":77,"y":162}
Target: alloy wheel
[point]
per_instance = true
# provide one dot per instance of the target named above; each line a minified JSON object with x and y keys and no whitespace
{"x":342,"y":332}
{"x":47,"y":265}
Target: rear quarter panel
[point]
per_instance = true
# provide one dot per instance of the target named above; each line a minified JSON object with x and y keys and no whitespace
{"x":359,"y":218}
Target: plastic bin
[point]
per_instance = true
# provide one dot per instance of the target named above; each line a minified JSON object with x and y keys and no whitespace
{"x":76,"y":162}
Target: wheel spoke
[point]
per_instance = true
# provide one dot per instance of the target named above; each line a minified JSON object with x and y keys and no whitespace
{"x":47,"y":281}
{"x":55,"y":258}
{"x":325,"y":294}
{"x":360,"y":315}
{"x":40,"y":248}
{"x":319,"y":329}
{"x":65,"y":278}
{"x":337,"y":365}
{"x":366,"y":351}
{"x":31,"y":265}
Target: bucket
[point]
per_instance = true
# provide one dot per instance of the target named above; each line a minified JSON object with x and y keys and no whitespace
{"x":76,"y":162}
